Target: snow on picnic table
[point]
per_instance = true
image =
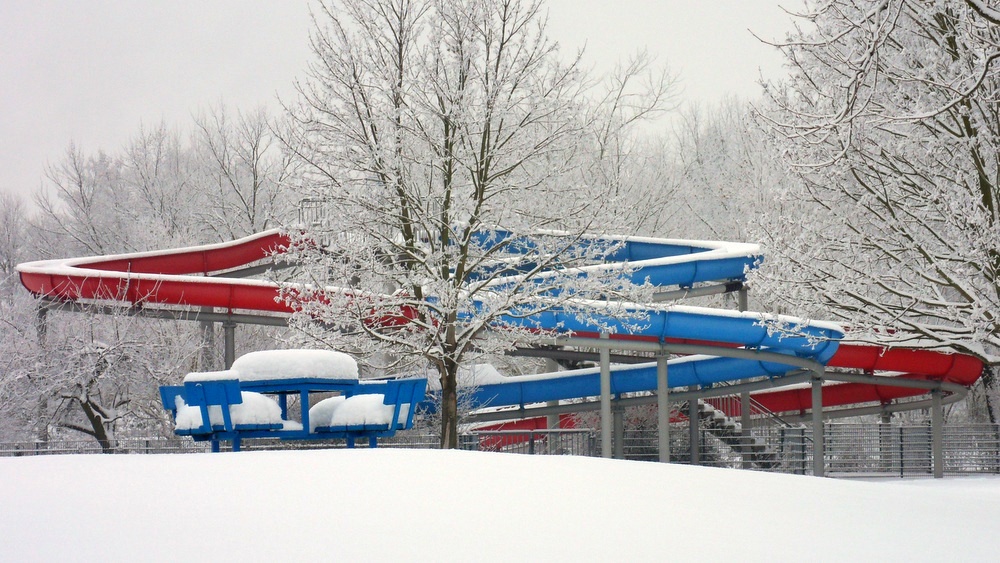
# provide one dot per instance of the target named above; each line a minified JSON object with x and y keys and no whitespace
{"x":290,"y":364}
{"x":351,"y":411}
{"x":255,"y":409}
{"x":293,"y":364}
{"x":284,"y":364}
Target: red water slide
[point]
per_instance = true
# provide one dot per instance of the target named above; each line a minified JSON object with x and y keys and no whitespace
{"x":195,"y":277}
{"x":925,"y":365}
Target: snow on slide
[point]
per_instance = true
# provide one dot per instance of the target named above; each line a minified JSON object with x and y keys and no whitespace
{"x":181,"y":277}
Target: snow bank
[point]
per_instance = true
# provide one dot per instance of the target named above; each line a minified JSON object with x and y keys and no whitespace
{"x":498,"y":507}
{"x":255,"y":409}
{"x":291,"y":364}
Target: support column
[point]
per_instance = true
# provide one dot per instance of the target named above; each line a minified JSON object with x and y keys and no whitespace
{"x":937,"y":433}
{"x":207,"y":359}
{"x":605,"y":354}
{"x":819,"y":446}
{"x":663,"y":407}
{"x":745,"y":436}
{"x":885,"y":441}
{"x":618,"y":412}
{"x":694,"y":434}
{"x":552,"y":420}
{"x":229,"y":330}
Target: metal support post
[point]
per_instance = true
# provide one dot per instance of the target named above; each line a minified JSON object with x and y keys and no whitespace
{"x":663,"y":407}
{"x":937,"y":427}
{"x":885,"y":441}
{"x":229,"y":330}
{"x":605,"y":354}
{"x":745,"y":436}
{"x":207,"y":360}
{"x":552,"y":420}
{"x":819,"y":450}
{"x":694,"y":438}
{"x":619,"y":419}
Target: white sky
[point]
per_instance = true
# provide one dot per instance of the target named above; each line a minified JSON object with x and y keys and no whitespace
{"x":93,"y":71}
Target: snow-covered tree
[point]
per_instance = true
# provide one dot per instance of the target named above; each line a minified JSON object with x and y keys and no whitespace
{"x":99,"y":374}
{"x":890,"y":119}
{"x":243,"y":172}
{"x":437,"y":138}
{"x":726,"y":172}
{"x":14,"y":239}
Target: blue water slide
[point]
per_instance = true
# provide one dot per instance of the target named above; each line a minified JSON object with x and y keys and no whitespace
{"x":694,"y":370}
{"x":662,"y":263}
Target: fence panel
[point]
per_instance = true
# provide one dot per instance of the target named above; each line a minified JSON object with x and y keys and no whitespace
{"x":851,"y":448}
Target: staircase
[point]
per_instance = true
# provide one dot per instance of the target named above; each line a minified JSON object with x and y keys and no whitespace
{"x":730,"y":432}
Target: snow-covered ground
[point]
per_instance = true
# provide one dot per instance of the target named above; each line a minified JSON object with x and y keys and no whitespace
{"x":428,"y":505}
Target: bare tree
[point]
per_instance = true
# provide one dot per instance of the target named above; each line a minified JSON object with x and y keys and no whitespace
{"x":440,"y":136}
{"x":244,"y":172}
{"x":14,"y":239}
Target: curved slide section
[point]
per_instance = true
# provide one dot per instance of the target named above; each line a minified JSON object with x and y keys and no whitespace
{"x":919,"y":365}
{"x":182,"y":276}
{"x":195,"y":277}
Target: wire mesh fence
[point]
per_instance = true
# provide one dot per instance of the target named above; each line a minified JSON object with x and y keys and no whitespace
{"x":151,"y":445}
{"x":850,"y":448}
{"x":536,"y":442}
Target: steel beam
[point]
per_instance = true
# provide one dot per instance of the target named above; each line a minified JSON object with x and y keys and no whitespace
{"x":605,"y":399}
{"x":574,"y":355}
{"x":701,"y":291}
{"x":761,"y":355}
{"x":937,"y":433}
{"x":819,"y":443}
{"x":663,"y":407}
{"x":694,"y":438}
{"x":229,"y":332}
{"x":552,"y":420}
{"x":618,"y":413}
{"x":882,"y":380}
{"x":745,"y":436}
{"x":153,"y":312}
{"x":676,"y":396}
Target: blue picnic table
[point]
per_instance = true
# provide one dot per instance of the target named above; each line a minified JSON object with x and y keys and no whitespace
{"x":221,"y":395}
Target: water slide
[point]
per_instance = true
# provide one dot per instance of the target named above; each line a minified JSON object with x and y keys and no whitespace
{"x":196,"y":277}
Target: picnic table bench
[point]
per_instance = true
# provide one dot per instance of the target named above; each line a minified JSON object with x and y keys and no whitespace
{"x":231,"y":409}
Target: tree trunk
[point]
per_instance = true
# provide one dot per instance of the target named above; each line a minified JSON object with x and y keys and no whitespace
{"x":989,"y":385}
{"x":449,"y":405}
{"x":97,"y":425}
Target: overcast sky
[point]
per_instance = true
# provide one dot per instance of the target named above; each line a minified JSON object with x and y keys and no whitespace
{"x":92,"y":71}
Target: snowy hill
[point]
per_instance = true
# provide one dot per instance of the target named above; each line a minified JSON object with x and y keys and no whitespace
{"x":429,"y":505}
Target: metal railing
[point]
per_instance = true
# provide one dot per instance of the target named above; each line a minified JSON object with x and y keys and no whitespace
{"x":153,"y":445}
{"x":851,"y":448}
{"x":537,"y":442}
